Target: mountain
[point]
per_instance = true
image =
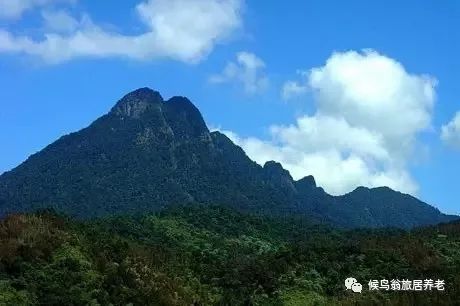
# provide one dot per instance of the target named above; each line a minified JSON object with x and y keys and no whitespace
{"x":147,"y":154}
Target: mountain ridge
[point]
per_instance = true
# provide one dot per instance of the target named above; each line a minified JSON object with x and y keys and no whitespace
{"x":146,"y":154}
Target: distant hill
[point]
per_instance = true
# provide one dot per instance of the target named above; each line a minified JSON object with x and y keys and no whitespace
{"x":147,"y":154}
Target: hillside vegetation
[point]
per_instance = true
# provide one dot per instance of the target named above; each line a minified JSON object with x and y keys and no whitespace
{"x":210,"y":255}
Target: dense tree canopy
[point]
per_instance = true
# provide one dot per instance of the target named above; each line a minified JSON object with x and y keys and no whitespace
{"x":210,"y":255}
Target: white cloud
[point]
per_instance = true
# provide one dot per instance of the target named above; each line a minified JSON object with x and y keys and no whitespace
{"x":450,"y":132}
{"x":369,"y":111}
{"x":185,"y":30}
{"x":247,"y":70}
{"x":60,"y":21}
{"x":13,"y":9}
{"x":292,"y":89}
{"x":375,"y":92}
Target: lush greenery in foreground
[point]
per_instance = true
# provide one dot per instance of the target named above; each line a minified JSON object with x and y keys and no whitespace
{"x":213,"y":256}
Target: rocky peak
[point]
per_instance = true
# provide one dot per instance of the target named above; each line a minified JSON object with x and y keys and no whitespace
{"x":276,"y":174}
{"x":307,"y":182}
{"x":137,"y":102}
{"x":275,"y":168}
{"x":185,"y":119}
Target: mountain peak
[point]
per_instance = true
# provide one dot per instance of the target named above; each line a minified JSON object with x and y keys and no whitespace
{"x":136,"y":102}
{"x":144,"y":93}
{"x":306,"y":182}
{"x":273,"y":168}
{"x":183,"y":105}
{"x":184,"y":118}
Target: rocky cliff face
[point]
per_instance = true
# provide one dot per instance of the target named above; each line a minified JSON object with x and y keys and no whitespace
{"x":148,"y":153}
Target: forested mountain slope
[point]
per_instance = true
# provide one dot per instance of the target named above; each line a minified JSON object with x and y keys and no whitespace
{"x":147,"y":154}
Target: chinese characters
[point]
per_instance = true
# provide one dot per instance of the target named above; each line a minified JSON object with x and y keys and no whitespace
{"x":406,"y":285}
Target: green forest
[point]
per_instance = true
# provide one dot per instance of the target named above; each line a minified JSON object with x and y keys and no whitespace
{"x":210,"y":255}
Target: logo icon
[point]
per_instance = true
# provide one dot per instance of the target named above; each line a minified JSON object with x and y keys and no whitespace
{"x":352,"y":284}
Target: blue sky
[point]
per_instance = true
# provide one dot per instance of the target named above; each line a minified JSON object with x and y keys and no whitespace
{"x":353,"y":92}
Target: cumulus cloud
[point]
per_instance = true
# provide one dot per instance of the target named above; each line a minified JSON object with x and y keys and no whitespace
{"x":13,"y":9}
{"x":369,"y":111}
{"x":450,"y":132}
{"x":248,"y":70}
{"x":292,"y":89}
{"x":60,"y":21}
{"x":185,"y":30}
